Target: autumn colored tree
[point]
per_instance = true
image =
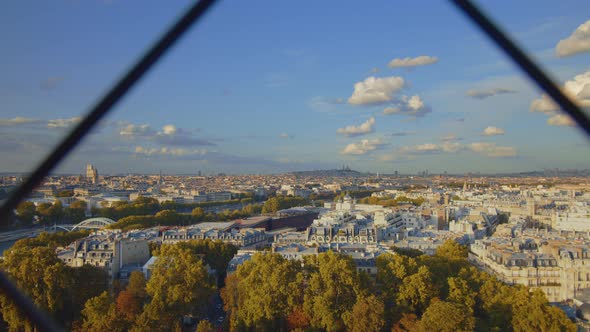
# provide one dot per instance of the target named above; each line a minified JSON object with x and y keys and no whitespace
{"x":262,"y":292}
{"x":205,"y":326}
{"x":100,"y":314}
{"x":332,"y":289}
{"x":179,"y":285}
{"x":417,"y":290}
{"x":42,"y":276}
{"x":366,"y":315}
{"x":445,"y":317}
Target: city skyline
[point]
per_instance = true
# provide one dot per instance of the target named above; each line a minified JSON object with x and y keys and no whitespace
{"x":298,"y":97}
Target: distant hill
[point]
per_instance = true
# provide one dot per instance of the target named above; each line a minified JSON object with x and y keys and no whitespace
{"x":345,"y":172}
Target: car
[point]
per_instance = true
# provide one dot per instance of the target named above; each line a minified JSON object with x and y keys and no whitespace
{"x":220,"y":319}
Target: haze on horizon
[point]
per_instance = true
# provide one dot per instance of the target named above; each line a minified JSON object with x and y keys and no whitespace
{"x":271,"y":88}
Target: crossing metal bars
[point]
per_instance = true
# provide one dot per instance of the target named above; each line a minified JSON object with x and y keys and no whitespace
{"x":38,"y":317}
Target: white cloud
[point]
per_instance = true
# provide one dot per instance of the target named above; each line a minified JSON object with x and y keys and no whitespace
{"x":482,"y":94}
{"x":172,"y":135}
{"x":132,"y":130}
{"x":543,"y":105}
{"x":431,"y":148}
{"x":63,"y":123}
{"x":375,"y":90}
{"x":493,"y":131}
{"x":451,"y":147}
{"x":363,"y":147}
{"x":577,"y":88}
{"x":492,"y":150}
{"x":175,"y":152}
{"x":364,"y":128}
{"x":577,"y":42}
{"x":413,"y":62}
{"x":561,"y":120}
{"x":169,"y":130}
{"x":413,"y":106}
{"x":18,"y":121}
{"x":285,"y":135}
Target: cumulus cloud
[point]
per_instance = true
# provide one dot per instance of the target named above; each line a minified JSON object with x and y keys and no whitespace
{"x":413,"y":62}
{"x":374,"y":90}
{"x":431,"y":148}
{"x":63,"y":123}
{"x":412,"y":106}
{"x":132,"y":130}
{"x":18,"y":121}
{"x":164,"y":151}
{"x":492,"y":150}
{"x":561,"y":120}
{"x":363,"y":147}
{"x":577,"y":88}
{"x":577,"y":42}
{"x":364,"y":128}
{"x":172,"y":135}
{"x":482,"y":94}
{"x":493,"y":131}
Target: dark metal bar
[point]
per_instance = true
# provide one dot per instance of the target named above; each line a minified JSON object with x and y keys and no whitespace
{"x":41,"y":320}
{"x":525,"y":63}
{"x":38,"y":317}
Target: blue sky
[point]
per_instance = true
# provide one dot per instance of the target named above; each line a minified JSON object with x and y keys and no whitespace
{"x":266,"y":86}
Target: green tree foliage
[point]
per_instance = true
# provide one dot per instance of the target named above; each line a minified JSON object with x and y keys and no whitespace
{"x":76,"y":212}
{"x":367,"y":315}
{"x":51,"y":240}
{"x":179,"y":286}
{"x":26,"y":212}
{"x":50,"y":213}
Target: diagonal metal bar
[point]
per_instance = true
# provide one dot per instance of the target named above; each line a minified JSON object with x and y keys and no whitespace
{"x":525,"y":63}
{"x":118,"y":91}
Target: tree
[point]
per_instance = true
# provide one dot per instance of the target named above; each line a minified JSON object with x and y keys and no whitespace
{"x":272,"y":205}
{"x":445,"y":317}
{"x":263,"y":291}
{"x":408,"y":323}
{"x":179,"y":285}
{"x":130,"y":301}
{"x":198,"y":213}
{"x":205,"y":326}
{"x":452,"y":251}
{"x":332,"y":290}
{"x":367,"y":315}
{"x":100,"y":314}
{"x":531,"y":312}
{"x":65,"y":193}
{"x":42,"y":276}
{"x":417,"y":290}
{"x":26,"y":212}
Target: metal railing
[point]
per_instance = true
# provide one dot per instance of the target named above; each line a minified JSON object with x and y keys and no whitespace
{"x":44,"y":322}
